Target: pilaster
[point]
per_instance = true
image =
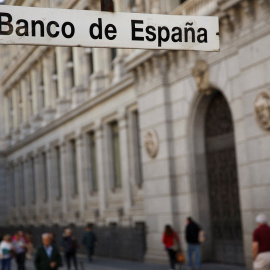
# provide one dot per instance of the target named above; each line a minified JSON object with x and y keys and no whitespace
{"x":102,"y":187}
{"x":80,"y":159}
{"x":51,"y":179}
{"x":48,"y":109}
{"x":64,"y":178}
{"x":36,"y":120}
{"x":25,"y":105}
{"x":38,"y":185}
{"x":63,"y":103}
{"x":125,"y":166}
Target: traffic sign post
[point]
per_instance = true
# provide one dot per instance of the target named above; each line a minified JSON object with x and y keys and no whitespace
{"x":59,"y":27}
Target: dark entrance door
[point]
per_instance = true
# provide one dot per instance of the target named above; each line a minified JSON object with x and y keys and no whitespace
{"x":223,"y":183}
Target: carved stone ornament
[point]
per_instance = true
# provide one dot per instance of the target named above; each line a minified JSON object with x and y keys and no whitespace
{"x":151,"y":143}
{"x":201,"y":75}
{"x":262,"y":110}
{"x":137,"y":6}
{"x":155,"y":6}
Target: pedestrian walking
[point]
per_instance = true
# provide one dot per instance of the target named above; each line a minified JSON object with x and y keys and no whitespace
{"x":20,"y":247}
{"x":171,"y":242}
{"x":47,"y":256}
{"x":89,"y":241}
{"x":70,"y":245}
{"x":30,"y":246}
{"x":261,"y":244}
{"x":6,"y":250}
{"x":193,"y":241}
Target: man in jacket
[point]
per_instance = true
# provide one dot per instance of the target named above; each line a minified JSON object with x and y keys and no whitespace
{"x":47,"y":256}
{"x":192,"y":238}
{"x":89,"y":240}
{"x":261,"y":244}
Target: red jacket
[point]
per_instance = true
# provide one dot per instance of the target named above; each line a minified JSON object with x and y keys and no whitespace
{"x":168,"y":240}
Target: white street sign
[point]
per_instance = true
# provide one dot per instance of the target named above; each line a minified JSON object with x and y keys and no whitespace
{"x":67,"y":27}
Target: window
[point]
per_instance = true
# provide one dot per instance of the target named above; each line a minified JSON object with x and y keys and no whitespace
{"x":136,"y":148}
{"x":20,"y":105}
{"x":33,"y":180}
{"x":74,"y":181}
{"x":70,"y":66}
{"x":58,"y":172}
{"x":113,"y":55}
{"x":30,"y":96}
{"x":93,"y":185}
{"x":10,"y":112}
{"x":41,"y":87}
{"x":90,"y":60}
{"x":45,"y":176}
{"x":116,"y":158}
{"x":54,"y":75}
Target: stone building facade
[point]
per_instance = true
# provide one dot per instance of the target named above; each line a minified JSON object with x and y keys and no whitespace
{"x":126,"y":137}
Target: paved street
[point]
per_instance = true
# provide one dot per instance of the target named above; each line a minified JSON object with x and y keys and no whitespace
{"x":106,"y":264}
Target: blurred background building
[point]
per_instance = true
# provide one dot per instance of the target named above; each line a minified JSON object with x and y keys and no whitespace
{"x":132,"y":140}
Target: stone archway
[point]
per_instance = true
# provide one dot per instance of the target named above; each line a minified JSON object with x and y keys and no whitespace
{"x":215,"y":182}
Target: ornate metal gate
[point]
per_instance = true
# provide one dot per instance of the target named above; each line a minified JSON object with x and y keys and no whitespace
{"x":223,"y":183}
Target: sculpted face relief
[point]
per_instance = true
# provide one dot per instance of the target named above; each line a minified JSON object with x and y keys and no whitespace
{"x":262,"y":110}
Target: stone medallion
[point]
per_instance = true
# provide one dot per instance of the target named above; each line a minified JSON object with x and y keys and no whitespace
{"x":151,"y":143}
{"x":262,"y":110}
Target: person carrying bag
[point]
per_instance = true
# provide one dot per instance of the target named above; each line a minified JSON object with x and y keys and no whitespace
{"x":171,"y":242}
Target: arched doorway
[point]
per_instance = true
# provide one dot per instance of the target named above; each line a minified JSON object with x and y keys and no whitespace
{"x":215,"y":182}
{"x":223,"y":182}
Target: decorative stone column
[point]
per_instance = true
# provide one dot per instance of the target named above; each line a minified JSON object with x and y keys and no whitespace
{"x":100,"y":77}
{"x":77,"y":65}
{"x":64,"y":179}
{"x":48,"y":110}
{"x":119,"y":70}
{"x":80,"y":159}
{"x":102,"y":187}
{"x":17,"y":189}
{"x":34,"y":85}
{"x":27,"y":190}
{"x":63,"y":103}
{"x":38,"y":185}
{"x":50,"y":179}
{"x":25,"y":115}
{"x":123,"y":135}
{"x":80,"y":90}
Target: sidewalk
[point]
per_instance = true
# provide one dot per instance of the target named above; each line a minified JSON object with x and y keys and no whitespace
{"x":110,"y":264}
